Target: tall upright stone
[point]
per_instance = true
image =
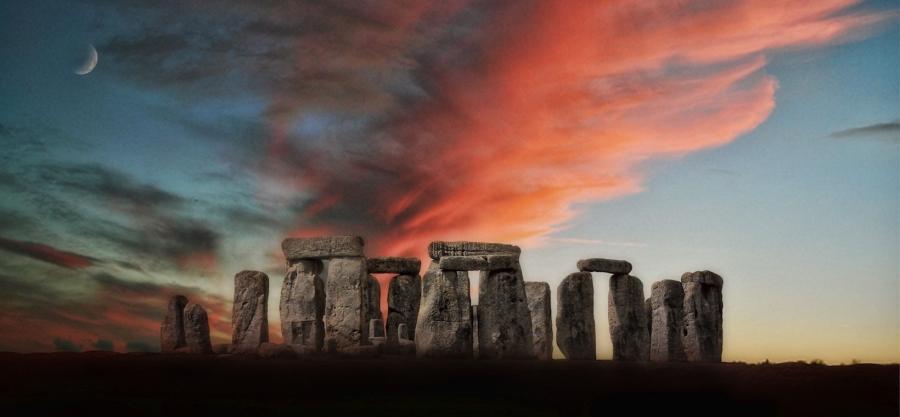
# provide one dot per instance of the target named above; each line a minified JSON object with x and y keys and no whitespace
{"x":171,"y":332}
{"x":702,"y":335}
{"x":504,"y":321}
{"x":538,"y":294}
{"x":404,"y":295}
{"x":575,"y":330}
{"x":667,"y":301}
{"x":373,"y":302}
{"x":249,"y":315}
{"x":627,"y":318}
{"x":196,"y":329}
{"x":302,"y":305}
{"x":346,"y":304}
{"x":444,"y":324}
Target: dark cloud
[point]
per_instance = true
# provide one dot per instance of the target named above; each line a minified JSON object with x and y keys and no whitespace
{"x":98,"y":182}
{"x":889,"y":130}
{"x":64,"y":345}
{"x":104,"y":345}
{"x":47,"y":253}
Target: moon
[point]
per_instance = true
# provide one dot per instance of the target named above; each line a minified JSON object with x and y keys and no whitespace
{"x":89,"y":62}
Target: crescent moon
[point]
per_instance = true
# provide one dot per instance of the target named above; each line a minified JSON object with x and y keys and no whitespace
{"x":89,"y":63}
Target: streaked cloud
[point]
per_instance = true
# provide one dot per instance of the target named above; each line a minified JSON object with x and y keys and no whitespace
{"x":887,"y":130}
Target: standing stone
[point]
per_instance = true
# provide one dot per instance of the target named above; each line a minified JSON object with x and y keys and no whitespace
{"x":196,"y":329}
{"x":302,"y":305}
{"x":538,"y":294}
{"x":575,"y":332}
{"x":504,"y":322}
{"x":475,"y":350}
{"x":171,"y":332}
{"x":404,"y":295}
{"x":346,"y":304}
{"x":249,"y":315}
{"x":627,"y":318}
{"x":444,"y":324}
{"x":373,"y":302}
{"x":648,"y":308}
{"x":667,"y":301}
{"x":702,"y":316}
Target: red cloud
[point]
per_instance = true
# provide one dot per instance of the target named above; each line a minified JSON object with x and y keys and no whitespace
{"x":546,"y":105}
{"x":47,"y":254}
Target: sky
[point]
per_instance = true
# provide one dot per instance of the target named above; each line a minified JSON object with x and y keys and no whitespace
{"x":757,"y":139}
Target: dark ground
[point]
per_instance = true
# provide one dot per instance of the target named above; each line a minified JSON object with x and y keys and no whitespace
{"x":65,"y":384}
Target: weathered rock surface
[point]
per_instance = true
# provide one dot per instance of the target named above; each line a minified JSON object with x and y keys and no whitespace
{"x":249,"y":315}
{"x":475,"y":349}
{"x":171,"y":332}
{"x":667,"y":301}
{"x":322,"y":247}
{"x":610,"y":266}
{"x":479,"y":262}
{"x":196,"y":329}
{"x":346,"y":304}
{"x":627,"y":318}
{"x":302,"y":305}
{"x":275,"y":350}
{"x":376,"y":328}
{"x":538,"y":294}
{"x":648,"y":308}
{"x":373,"y":303}
{"x":702,"y":334}
{"x":444,"y":324}
{"x":504,"y":321}
{"x":438,"y":249}
{"x":575,"y":331}
{"x":404,"y":345}
{"x":404,"y":295}
{"x":394,"y":265}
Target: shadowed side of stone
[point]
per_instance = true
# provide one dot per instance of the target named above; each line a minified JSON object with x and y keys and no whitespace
{"x":610,"y":266}
{"x":394,"y":265}
{"x":504,"y":322}
{"x":538,"y":294}
{"x":196,"y":329}
{"x":667,"y":301}
{"x":171,"y":332}
{"x":439,"y":249}
{"x":627,"y":318}
{"x":575,"y":329}
{"x":444,"y":324}
{"x":373,"y":303}
{"x":302,"y":305}
{"x":404,"y":295}
{"x":702,"y":334}
{"x":346,"y":304}
{"x":249,"y":317}
{"x":322,"y":247}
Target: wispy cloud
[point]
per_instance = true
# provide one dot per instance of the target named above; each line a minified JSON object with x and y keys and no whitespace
{"x":888,"y":130}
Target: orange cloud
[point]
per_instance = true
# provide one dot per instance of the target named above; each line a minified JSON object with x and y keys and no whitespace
{"x":544,"y":105}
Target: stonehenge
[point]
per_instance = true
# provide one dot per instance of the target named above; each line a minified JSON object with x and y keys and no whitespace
{"x":627,"y":318}
{"x":575,"y":330}
{"x":538,"y":294}
{"x":702,"y":316}
{"x":249,"y":316}
{"x":667,"y":312}
{"x":330,"y":302}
